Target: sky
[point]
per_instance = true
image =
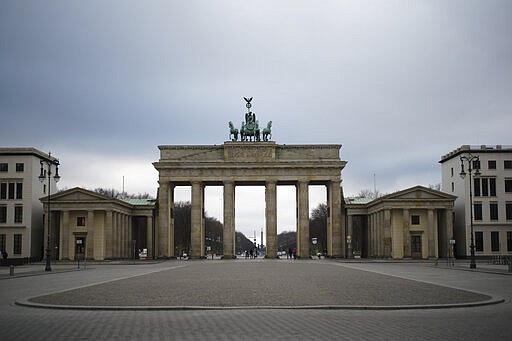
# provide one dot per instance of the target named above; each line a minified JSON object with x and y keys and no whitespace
{"x":101,"y":84}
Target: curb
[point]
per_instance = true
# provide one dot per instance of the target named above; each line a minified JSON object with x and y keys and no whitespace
{"x":27,"y":303}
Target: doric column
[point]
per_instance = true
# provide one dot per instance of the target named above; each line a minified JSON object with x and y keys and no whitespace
{"x":378,"y":234}
{"x":407,"y":236}
{"x":350,"y":232}
{"x":228,"y":239}
{"x":149,"y":235}
{"x":131,"y":250}
{"x":67,"y":246}
{"x":108,"y":235}
{"x":97,"y":241}
{"x":271,"y":218}
{"x":449,"y":230}
{"x":166,"y":221}
{"x":90,"y":235}
{"x":431,"y":234}
{"x":302,"y":219}
{"x":115,"y":237}
{"x":196,"y":221}
{"x":335,"y":233}
{"x":388,"y":235}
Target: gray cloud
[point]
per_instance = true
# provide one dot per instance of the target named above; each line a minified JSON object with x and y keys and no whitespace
{"x":398,"y":83}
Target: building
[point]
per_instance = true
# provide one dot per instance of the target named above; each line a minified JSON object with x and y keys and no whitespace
{"x":21,"y":212}
{"x":89,"y":225}
{"x":492,"y":199}
{"x":412,"y":223}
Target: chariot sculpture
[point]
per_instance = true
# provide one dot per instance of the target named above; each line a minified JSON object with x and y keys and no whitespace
{"x":250,"y":130}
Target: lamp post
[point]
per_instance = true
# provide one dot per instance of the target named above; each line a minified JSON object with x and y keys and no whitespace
{"x":473,"y":166}
{"x":47,"y":174}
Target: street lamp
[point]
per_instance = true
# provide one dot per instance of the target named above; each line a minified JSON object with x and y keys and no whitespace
{"x":473,"y":166}
{"x":42,"y":177}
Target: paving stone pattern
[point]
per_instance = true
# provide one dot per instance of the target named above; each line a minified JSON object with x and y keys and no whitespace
{"x":261,"y":283}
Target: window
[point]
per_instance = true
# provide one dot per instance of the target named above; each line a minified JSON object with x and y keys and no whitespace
{"x":3,"y":214}
{"x":491,"y":164}
{"x":20,"y":167}
{"x":476,"y":164}
{"x":4,"y":167}
{"x":508,"y":185}
{"x":476,"y":186}
{"x":492,"y":187}
{"x":493,"y":210}
{"x":479,"y":241}
{"x":18,"y":214}
{"x":2,"y":242}
{"x":508,"y":207}
{"x":477,"y":211}
{"x":11,"y":190}
{"x":507,"y":164}
{"x":17,"y":244}
{"x":3,"y":190}
{"x":80,"y":221}
{"x":452,"y":171}
{"x":453,"y":187}
{"x":495,"y":241}
{"x":485,"y":187}
{"x":509,"y":240}
{"x":415,"y":220}
{"x":19,"y":190}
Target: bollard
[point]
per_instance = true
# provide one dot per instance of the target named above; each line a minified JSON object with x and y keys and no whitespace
{"x":509,"y":266}
{"x":11,"y":270}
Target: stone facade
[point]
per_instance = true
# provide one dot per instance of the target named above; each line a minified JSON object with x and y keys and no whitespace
{"x":21,"y":212}
{"x":492,"y":199}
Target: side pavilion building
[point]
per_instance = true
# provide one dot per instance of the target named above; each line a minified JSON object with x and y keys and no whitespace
{"x":413,"y":223}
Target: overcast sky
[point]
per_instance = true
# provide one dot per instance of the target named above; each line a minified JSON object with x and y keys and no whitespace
{"x":398,"y":83}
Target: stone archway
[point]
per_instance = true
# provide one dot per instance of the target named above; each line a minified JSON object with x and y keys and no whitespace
{"x":249,"y":163}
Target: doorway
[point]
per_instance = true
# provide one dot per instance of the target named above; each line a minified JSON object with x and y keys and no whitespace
{"x":416,"y":246}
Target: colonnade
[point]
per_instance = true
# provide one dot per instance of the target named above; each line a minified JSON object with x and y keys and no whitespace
{"x":107,"y":233}
{"x":166,"y":246}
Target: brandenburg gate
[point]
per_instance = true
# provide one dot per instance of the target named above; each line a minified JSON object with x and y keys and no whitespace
{"x":249,"y":162}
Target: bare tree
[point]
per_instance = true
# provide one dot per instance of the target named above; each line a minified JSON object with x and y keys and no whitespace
{"x":368,"y":193}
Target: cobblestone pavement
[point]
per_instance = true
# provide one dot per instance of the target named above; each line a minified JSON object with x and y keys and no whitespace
{"x":474,"y":323}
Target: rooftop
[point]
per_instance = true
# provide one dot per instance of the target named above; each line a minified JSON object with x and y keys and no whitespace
{"x":485,"y":148}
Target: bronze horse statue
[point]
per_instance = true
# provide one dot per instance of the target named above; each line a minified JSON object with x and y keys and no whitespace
{"x":267,"y":131}
{"x":233,"y":132}
{"x":248,"y":131}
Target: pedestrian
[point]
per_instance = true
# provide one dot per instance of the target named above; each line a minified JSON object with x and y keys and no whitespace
{"x":289,"y":253}
{"x":251,"y":253}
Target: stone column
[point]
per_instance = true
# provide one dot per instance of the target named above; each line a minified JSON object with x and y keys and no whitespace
{"x":271,"y":218}
{"x":67,"y":247}
{"x":229,"y":220}
{"x":449,"y":230}
{"x":350,"y":232}
{"x":149,"y":235}
{"x":129,"y":236}
{"x":108,"y":235}
{"x":378,"y":234}
{"x":196,"y":221}
{"x":407,"y":235}
{"x":115,"y":237}
{"x":90,"y":235}
{"x":165,"y":226}
{"x":335,"y":232}
{"x":302,"y":219}
{"x":98,"y":251}
{"x":431,"y":235}
{"x":388,"y":242}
